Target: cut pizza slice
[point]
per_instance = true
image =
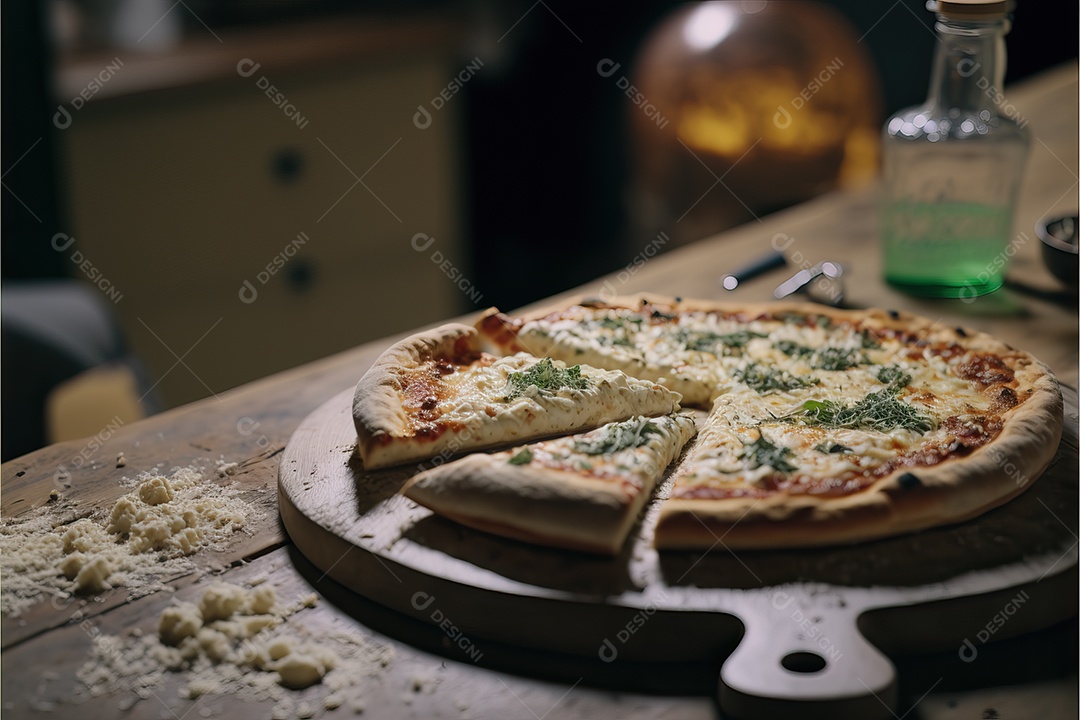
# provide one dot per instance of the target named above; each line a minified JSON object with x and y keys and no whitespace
{"x":687,"y":349}
{"x":437,"y":393}
{"x":582,"y":492}
{"x":857,"y":456}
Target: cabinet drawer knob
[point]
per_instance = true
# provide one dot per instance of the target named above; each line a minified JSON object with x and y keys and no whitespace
{"x":287,"y":164}
{"x":300,"y":275}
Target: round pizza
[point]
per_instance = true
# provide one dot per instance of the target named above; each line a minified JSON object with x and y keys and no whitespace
{"x":823,"y":426}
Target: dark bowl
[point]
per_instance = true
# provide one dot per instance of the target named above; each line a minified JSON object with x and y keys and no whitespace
{"x":1058,"y":235}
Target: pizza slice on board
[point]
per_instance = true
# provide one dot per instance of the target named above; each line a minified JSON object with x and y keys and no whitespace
{"x":582,"y":492}
{"x":677,"y":350}
{"x":438,"y":392}
{"x":827,"y":426}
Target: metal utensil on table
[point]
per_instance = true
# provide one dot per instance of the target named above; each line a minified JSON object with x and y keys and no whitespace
{"x":759,"y":266}
{"x":823,"y":283}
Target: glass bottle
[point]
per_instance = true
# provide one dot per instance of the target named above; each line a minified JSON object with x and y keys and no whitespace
{"x":952,"y":166}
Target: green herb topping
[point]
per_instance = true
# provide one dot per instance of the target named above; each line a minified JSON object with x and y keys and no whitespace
{"x":740,"y":338}
{"x":877,"y":411}
{"x":894,"y":377}
{"x":523,"y":457}
{"x":793,"y":349}
{"x":761,"y":452}
{"x":617,"y":322}
{"x":618,"y":436}
{"x":623,"y":327}
{"x":825,"y":358}
{"x":869,"y":339}
{"x":835,"y":358}
{"x":831,"y":448}
{"x":766,"y":379}
{"x":545,"y":377}
{"x":716,"y":343}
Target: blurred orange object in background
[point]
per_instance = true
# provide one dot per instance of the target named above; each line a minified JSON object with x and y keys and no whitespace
{"x":770,"y":103}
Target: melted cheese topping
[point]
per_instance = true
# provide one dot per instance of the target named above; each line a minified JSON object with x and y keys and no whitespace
{"x":476,"y":399}
{"x":634,"y":453}
{"x":759,"y":374}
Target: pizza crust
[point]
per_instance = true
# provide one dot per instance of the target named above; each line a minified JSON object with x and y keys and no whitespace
{"x":382,"y":426}
{"x":949,"y":492}
{"x":548,"y":507}
{"x":377,"y":410}
{"x":557,"y":506}
{"x":696,"y":383}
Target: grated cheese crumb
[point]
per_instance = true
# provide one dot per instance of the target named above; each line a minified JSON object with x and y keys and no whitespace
{"x":148,"y":534}
{"x":240,"y":652}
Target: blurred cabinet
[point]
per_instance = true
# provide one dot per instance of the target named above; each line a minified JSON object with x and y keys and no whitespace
{"x":246,"y":235}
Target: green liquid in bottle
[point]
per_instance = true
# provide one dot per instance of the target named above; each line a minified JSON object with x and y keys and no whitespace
{"x":947,"y":249}
{"x":952,"y":166}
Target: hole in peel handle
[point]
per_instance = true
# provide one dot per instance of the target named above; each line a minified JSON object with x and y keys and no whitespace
{"x":804,"y":659}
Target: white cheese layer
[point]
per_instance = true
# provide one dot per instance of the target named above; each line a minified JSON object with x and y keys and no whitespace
{"x":634,"y":452}
{"x":758,"y":375}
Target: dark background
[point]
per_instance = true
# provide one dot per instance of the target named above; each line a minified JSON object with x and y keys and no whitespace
{"x":544,"y":137}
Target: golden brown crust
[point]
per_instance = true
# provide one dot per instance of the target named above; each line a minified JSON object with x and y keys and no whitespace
{"x":636,"y":301}
{"x":377,"y":408}
{"x":909,"y":498}
{"x":386,"y":437}
{"x":548,"y":506}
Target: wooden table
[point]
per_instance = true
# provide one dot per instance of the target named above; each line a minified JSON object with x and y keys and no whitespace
{"x":1032,"y":676}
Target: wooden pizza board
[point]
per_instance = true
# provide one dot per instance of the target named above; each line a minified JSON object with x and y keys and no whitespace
{"x":793,"y":625}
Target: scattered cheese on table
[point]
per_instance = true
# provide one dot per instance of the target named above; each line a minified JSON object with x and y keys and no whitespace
{"x":148,"y":534}
{"x":233,"y":640}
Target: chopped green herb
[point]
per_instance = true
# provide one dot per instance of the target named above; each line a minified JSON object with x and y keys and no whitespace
{"x":618,"y":436}
{"x":546,"y":377}
{"x":831,"y":448}
{"x":793,"y":349}
{"x":740,"y":338}
{"x":707,"y":341}
{"x":761,"y":452}
{"x":764,"y":379}
{"x":894,"y":377}
{"x":835,"y":358}
{"x":869,"y":339}
{"x":524,"y":457}
{"x":699,"y":340}
{"x":791,"y":318}
{"x":877,"y":411}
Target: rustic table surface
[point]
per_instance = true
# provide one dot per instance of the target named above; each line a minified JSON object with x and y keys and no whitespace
{"x":1028,"y":677}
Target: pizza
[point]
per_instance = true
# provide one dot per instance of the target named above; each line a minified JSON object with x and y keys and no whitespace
{"x":582,"y":491}
{"x":438,"y":392}
{"x":824,"y":426}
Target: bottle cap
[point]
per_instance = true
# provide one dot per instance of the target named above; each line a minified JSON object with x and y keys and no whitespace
{"x":971,"y":9}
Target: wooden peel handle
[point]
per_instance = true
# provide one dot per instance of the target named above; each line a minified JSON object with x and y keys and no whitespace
{"x":803,"y":656}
